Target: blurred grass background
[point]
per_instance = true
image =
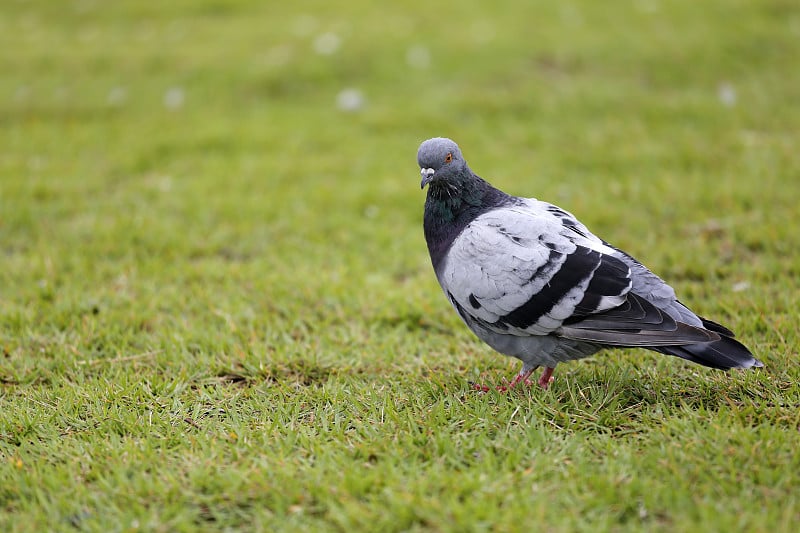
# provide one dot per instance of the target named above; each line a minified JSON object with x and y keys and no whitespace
{"x":216,"y":306}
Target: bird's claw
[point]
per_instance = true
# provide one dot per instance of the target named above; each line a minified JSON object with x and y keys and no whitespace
{"x":546,"y":378}
{"x":478,"y":387}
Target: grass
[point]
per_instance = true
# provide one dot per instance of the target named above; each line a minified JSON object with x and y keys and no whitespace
{"x":216,"y":306}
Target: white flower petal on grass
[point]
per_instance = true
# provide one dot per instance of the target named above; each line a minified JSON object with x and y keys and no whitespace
{"x":327,"y":43}
{"x":740,"y":286}
{"x":371,"y":211}
{"x":726,"y":94}
{"x":117,"y":96}
{"x":174,"y":98}
{"x":418,"y":57}
{"x":164,"y":183}
{"x":350,"y":100}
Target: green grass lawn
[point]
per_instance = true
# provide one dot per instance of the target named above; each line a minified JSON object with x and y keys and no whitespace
{"x":216,"y":305}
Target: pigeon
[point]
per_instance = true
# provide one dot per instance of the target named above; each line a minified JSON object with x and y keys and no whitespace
{"x":534,"y":283}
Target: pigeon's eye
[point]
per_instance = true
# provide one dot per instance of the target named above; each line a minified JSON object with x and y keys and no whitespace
{"x":448,"y":158}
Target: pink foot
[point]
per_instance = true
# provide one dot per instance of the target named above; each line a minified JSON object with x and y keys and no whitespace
{"x":546,"y":378}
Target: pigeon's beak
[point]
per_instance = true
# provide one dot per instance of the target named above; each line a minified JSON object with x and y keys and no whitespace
{"x":427,"y":176}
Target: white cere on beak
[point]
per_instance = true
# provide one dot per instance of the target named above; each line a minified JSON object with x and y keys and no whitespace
{"x":426,"y":174}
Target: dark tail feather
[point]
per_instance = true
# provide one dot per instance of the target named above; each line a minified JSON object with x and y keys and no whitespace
{"x":723,"y":354}
{"x":719,"y":328}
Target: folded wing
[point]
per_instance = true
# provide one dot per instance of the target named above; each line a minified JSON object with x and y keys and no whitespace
{"x":521,"y":270}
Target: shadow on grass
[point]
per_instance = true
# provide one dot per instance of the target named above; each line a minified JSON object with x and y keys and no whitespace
{"x":607,"y":399}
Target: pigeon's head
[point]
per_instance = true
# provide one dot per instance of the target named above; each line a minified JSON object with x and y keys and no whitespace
{"x":440,"y":160}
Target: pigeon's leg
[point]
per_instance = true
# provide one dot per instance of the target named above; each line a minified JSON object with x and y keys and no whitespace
{"x":523,"y":376}
{"x":547,"y":377}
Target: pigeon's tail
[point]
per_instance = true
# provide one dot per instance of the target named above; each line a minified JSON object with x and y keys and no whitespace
{"x":724,"y":354}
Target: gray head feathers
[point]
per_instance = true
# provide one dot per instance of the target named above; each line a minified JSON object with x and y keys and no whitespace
{"x":438,"y":159}
{"x":433,"y":152}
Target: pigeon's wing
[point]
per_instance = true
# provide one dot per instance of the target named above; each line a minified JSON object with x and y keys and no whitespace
{"x":519,"y":270}
{"x":644,"y":283}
